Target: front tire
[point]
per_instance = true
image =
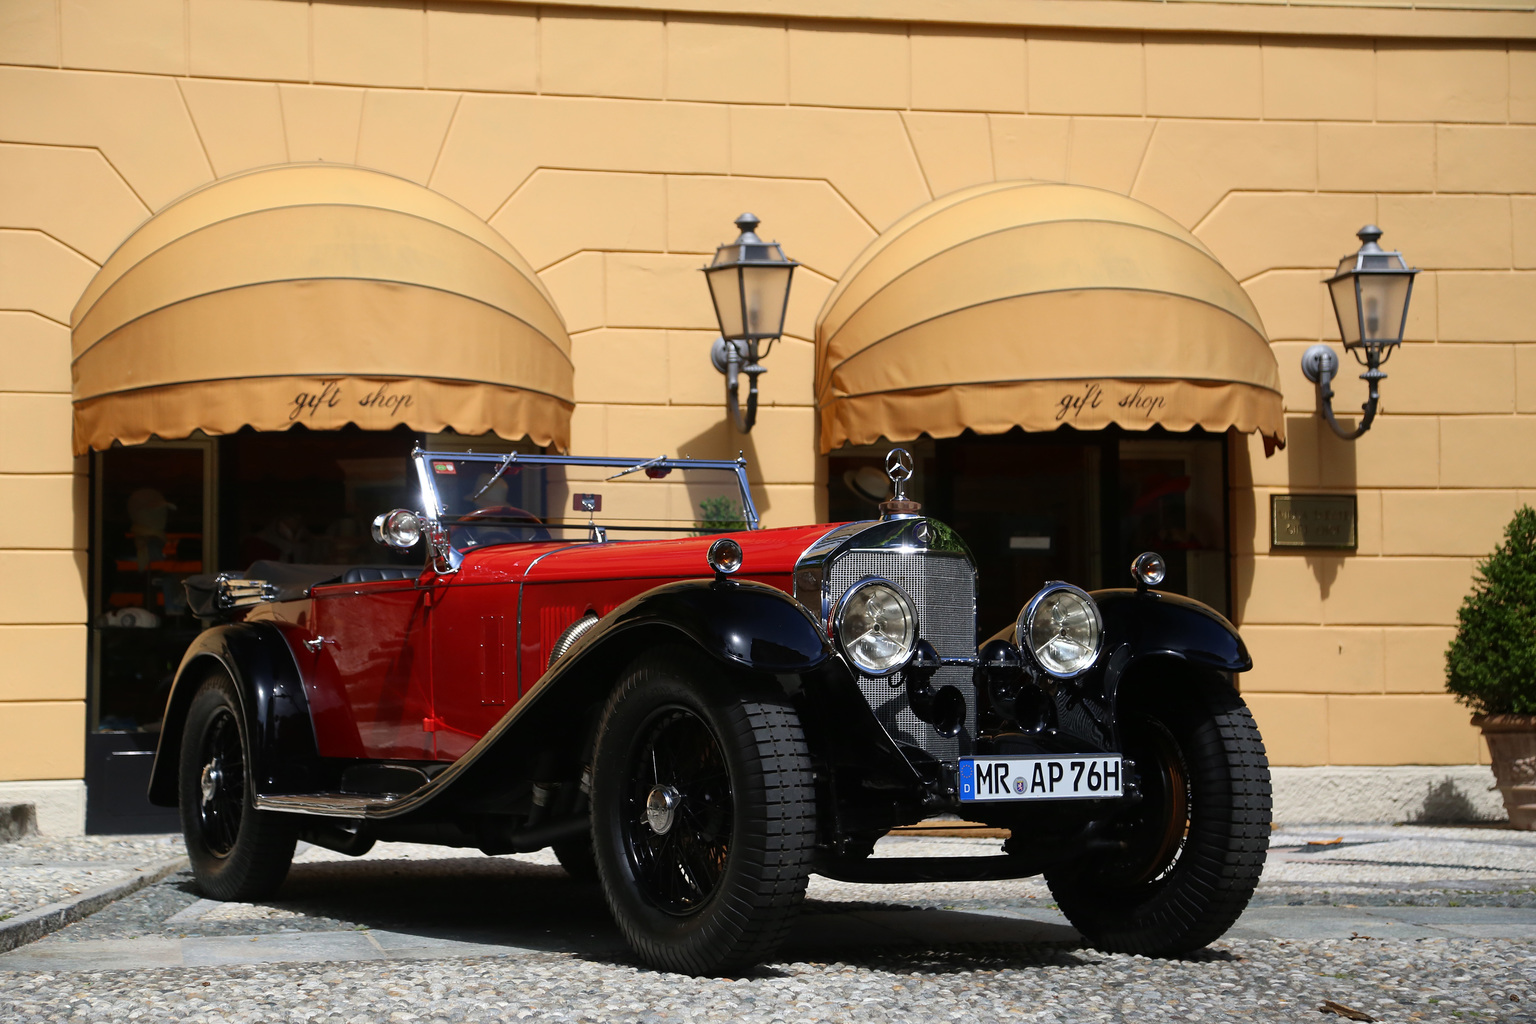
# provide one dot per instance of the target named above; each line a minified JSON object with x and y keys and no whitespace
{"x":237,"y":852}
{"x":703,"y":816}
{"x":1195,"y":843}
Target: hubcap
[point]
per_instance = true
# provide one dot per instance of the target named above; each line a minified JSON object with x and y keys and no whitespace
{"x":213,"y":778}
{"x":661,"y":808}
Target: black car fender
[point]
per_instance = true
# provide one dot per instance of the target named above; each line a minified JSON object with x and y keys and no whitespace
{"x":739,"y":622}
{"x":272,"y":703}
{"x":1153,"y":628}
{"x":748,"y":628}
{"x":756,"y":633}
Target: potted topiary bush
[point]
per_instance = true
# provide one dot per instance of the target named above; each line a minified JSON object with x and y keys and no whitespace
{"x":1491,"y":664}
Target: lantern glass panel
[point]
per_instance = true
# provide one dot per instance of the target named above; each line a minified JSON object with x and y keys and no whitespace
{"x":1342,"y":290}
{"x":1383,"y":304}
{"x":724,"y":291}
{"x":766,"y":287}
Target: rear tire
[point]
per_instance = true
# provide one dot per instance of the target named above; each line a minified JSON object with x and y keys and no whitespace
{"x":1197,"y":840}
{"x":703,"y":815}
{"x":237,"y":852}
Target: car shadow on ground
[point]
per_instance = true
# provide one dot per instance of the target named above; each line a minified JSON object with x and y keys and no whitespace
{"x":501,"y":903}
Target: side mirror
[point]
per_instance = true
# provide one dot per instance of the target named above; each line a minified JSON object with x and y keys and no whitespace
{"x":400,"y":529}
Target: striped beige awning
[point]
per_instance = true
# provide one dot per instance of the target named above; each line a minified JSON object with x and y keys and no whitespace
{"x":319,"y":295}
{"x":1040,"y":305}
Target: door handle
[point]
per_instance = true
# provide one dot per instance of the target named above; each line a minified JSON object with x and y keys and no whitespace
{"x":314,"y":645}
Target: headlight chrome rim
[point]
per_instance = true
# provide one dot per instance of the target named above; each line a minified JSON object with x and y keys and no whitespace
{"x":909,"y":610}
{"x":1021,"y":629}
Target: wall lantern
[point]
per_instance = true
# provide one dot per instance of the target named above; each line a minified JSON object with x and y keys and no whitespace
{"x":1370,"y":293}
{"x":749,"y":285}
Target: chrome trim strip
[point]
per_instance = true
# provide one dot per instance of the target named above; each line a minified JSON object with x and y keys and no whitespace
{"x":325,"y":805}
{"x":810,"y":569}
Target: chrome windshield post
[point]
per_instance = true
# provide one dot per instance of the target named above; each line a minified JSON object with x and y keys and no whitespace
{"x":748,"y":510}
{"x":440,"y":549}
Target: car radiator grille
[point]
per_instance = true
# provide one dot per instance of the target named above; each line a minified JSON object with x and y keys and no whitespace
{"x":943,"y":586}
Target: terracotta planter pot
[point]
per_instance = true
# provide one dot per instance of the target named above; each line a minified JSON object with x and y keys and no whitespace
{"x":1512,"y":747}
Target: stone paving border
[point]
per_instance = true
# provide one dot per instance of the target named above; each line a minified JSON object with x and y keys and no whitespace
{"x":34,"y":924}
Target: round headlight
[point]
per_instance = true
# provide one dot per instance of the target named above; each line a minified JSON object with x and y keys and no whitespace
{"x":876,"y":626}
{"x":1061,"y":627}
{"x":400,"y":529}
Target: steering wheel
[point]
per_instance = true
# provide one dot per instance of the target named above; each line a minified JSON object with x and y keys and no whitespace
{"x":504,"y":524}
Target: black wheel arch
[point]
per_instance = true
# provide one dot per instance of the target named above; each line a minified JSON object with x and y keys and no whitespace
{"x":273,"y":706}
{"x":1156,"y":639}
{"x":755,"y":633}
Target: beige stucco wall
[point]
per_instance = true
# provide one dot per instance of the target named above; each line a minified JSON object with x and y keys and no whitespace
{"x":613,"y":149}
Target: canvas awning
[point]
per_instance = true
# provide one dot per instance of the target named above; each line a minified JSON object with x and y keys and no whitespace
{"x":1040,"y":305}
{"x":319,"y":295}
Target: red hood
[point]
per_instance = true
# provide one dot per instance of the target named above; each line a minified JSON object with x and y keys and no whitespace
{"x":765,"y":553}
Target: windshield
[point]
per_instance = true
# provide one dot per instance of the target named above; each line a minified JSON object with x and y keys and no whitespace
{"x":510,"y":499}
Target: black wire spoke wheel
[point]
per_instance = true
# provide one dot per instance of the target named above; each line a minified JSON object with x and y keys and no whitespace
{"x":1193,"y":846}
{"x":703,"y":816}
{"x":237,"y":852}
{"x":221,"y":784}
{"x":679,"y":811}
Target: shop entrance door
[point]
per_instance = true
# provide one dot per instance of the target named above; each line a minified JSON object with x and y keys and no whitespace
{"x":153,"y":528}
{"x":1068,"y":505}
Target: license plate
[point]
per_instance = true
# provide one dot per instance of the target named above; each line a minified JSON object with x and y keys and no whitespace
{"x":1085,"y":777}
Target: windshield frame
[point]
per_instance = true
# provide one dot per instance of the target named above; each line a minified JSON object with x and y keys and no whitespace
{"x":446,"y":558}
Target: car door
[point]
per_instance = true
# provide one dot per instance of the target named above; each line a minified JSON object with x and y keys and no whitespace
{"x":474,"y":631}
{"x":372,"y":674}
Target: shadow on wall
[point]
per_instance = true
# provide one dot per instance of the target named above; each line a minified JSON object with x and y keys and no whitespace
{"x":722,"y":441}
{"x":1316,"y":462}
{"x":1445,"y":803}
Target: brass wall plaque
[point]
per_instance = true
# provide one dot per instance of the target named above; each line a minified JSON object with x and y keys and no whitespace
{"x":1313,"y":521}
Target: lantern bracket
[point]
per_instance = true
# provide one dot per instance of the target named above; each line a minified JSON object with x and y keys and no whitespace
{"x":1319,"y":364}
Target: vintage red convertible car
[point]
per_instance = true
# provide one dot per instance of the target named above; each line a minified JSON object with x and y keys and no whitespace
{"x":697,"y":713}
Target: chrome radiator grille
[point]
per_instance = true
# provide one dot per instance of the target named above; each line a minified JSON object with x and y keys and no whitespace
{"x":943,"y":586}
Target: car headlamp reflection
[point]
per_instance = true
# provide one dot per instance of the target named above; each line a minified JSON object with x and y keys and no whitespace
{"x":876,"y":626}
{"x":1061,"y":627}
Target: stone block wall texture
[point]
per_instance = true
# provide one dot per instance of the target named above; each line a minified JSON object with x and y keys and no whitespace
{"x":614,"y":147}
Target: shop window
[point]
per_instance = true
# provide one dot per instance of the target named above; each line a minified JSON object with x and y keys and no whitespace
{"x":1069,"y":505}
{"x":153,"y":530}
{"x":311,"y":496}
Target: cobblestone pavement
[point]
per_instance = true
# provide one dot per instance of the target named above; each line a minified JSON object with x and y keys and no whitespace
{"x":40,"y":870}
{"x":1402,"y":924}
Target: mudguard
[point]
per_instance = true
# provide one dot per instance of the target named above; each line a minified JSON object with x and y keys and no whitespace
{"x":1155,"y":623}
{"x":748,"y":627}
{"x":272,"y":700}
{"x":745,"y":624}
{"x":1146,"y":625}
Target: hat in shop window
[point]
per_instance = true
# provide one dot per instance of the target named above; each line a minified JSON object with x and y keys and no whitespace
{"x":869,"y":483}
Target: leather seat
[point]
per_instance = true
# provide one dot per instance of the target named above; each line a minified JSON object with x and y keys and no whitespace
{"x":374,"y":573}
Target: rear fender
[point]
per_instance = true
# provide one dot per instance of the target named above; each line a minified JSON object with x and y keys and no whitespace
{"x":272,"y":703}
